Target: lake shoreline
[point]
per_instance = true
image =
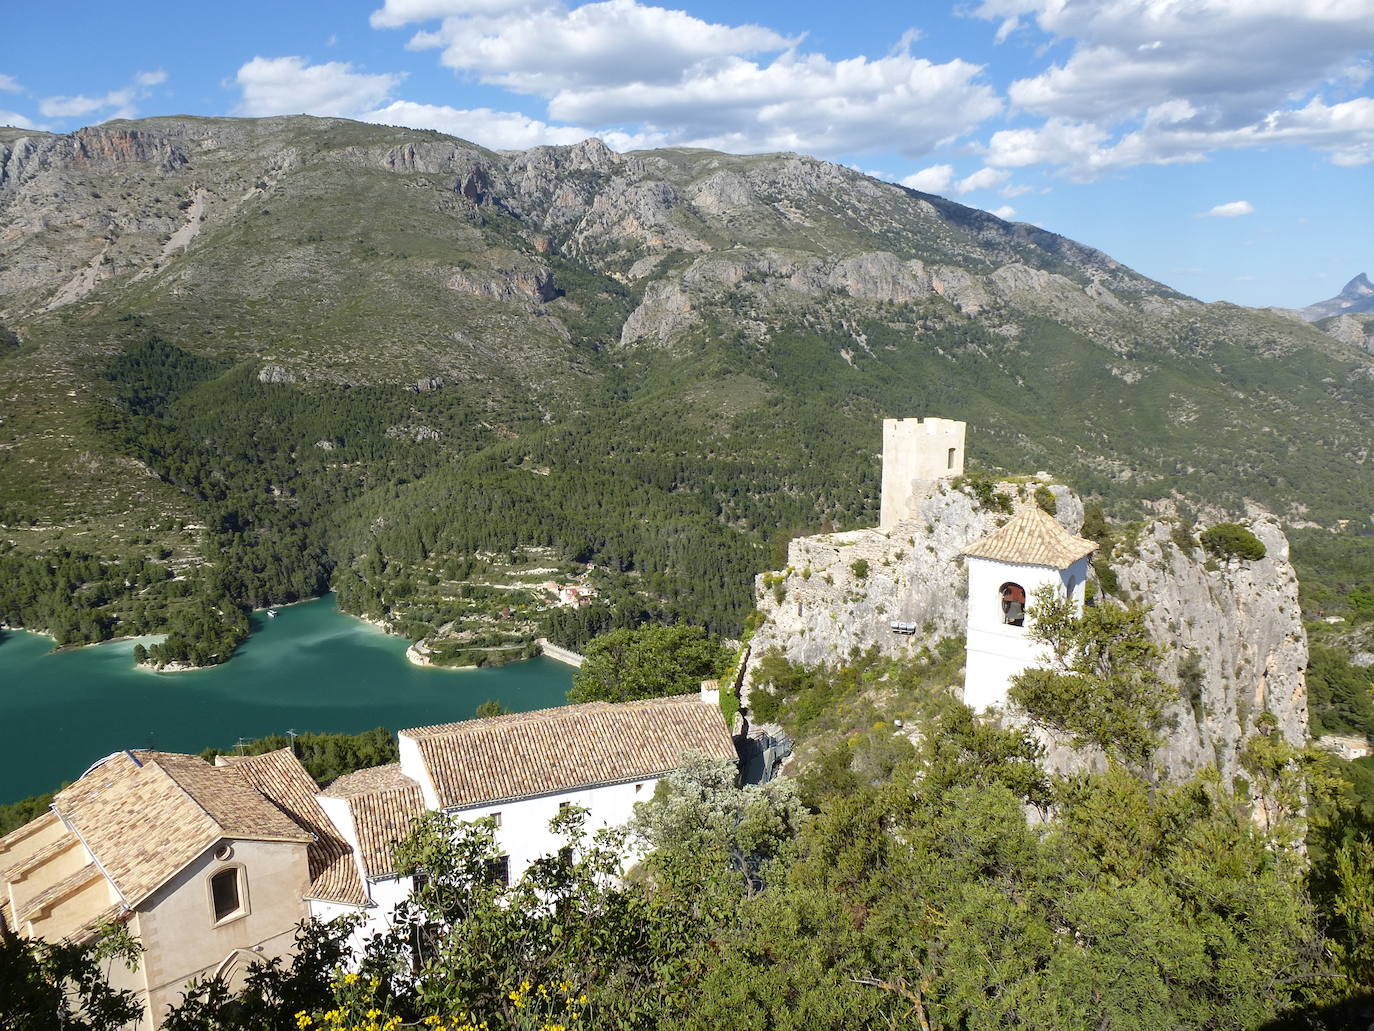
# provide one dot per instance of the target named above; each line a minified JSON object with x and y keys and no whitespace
{"x":309,"y":669}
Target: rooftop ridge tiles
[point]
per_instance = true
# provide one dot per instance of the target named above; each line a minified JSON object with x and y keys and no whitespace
{"x":24,"y":830}
{"x":549,"y":714}
{"x":1032,"y":537}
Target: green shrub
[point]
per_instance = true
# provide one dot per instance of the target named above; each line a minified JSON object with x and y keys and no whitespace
{"x":859,"y":567}
{"x":1044,"y":497}
{"x":1231,"y":540}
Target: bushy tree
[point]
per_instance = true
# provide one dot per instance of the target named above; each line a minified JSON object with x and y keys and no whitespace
{"x":62,"y":984}
{"x":1231,"y":540}
{"x":647,"y":662}
{"x":1100,"y":686}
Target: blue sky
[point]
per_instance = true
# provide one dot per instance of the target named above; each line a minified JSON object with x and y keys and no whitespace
{"x":1225,"y":147}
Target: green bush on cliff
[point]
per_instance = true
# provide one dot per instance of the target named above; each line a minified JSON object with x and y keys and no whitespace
{"x":1231,"y":540}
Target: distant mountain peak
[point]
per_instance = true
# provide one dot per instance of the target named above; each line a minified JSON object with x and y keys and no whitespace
{"x":1357,"y":296}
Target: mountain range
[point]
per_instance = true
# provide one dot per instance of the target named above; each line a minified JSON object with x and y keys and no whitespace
{"x":273,"y":355}
{"x":1355,"y":298}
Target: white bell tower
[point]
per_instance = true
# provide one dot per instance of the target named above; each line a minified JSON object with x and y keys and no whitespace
{"x":1005,"y":571}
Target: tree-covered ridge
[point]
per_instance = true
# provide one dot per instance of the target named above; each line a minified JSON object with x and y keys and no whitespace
{"x":397,"y":357}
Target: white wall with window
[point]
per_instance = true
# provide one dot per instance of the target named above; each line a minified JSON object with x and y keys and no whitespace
{"x":998,"y":649}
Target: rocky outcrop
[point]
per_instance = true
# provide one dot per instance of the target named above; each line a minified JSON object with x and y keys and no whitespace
{"x":1233,"y":636}
{"x":533,"y":283}
{"x":1232,"y":633}
{"x":276,"y":374}
{"x":842,"y":591}
{"x":1355,"y":330}
{"x":1357,"y":296}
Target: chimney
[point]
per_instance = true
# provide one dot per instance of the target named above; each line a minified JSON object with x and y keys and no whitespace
{"x":710,"y":692}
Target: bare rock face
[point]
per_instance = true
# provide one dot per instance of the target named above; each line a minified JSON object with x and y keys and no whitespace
{"x":1234,"y":640}
{"x":1232,"y":634}
{"x":1355,"y":330}
{"x":843,"y":591}
{"x":276,"y":374}
{"x":665,"y":311}
{"x":534,"y":283}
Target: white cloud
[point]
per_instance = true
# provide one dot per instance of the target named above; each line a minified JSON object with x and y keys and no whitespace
{"x":396,"y":13}
{"x":289,"y":85}
{"x":1234,"y":60}
{"x":1234,"y":209}
{"x":119,"y":103}
{"x":983,"y":179}
{"x":1163,"y":81}
{"x":1344,"y":131}
{"x":799,"y":102}
{"x":9,"y":84}
{"x":498,"y":130}
{"x":75,"y":107}
{"x":1005,"y":211}
{"x":548,"y":49}
{"x":654,"y":73}
{"x":18,"y":121}
{"x":935,"y":179}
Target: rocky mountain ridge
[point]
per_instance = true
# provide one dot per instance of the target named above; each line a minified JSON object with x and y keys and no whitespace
{"x":712,"y":336}
{"x":1355,"y":298}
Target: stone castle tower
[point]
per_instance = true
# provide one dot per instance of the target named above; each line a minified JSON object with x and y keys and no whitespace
{"x":917,"y":453}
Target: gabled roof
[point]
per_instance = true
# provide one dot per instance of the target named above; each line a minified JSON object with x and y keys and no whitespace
{"x":383,"y":801}
{"x":281,"y":778}
{"x":1032,"y":537}
{"x":146,"y":815}
{"x":523,"y":755}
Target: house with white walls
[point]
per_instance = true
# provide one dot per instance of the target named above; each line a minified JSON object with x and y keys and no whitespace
{"x":211,"y":867}
{"x":520,"y":770}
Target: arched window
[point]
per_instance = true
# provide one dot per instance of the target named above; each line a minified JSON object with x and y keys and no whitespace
{"x":1013,"y":604}
{"x":227,"y":894}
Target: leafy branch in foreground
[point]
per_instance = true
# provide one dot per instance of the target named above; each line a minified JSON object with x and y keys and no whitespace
{"x":1100,"y":683}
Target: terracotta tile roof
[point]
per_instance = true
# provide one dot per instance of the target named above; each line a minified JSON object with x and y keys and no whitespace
{"x":59,"y":890}
{"x":575,"y":746}
{"x":38,"y":823}
{"x":1032,"y":537}
{"x":38,"y":858}
{"x":146,"y":815}
{"x":383,"y":801}
{"x":91,"y":927}
{"x":374,"y":778}
{"x":284,"y":781}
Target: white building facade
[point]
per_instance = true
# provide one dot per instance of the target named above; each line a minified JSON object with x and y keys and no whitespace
{"x":1006,"y":571}
{"x":520,"y":770}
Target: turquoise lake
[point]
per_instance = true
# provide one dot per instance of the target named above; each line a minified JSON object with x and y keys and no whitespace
{"x":311,"y":668}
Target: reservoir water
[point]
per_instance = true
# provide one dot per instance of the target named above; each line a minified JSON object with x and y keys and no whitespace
{"x":312,"y":668}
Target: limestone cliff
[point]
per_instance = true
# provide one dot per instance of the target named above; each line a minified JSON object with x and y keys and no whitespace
{"x":1232,"y":632}
{"x":1234,"y":638}
{"x":842,"y":591}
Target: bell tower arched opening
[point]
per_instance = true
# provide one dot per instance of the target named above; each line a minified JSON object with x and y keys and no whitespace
{"x":1013,"y":597}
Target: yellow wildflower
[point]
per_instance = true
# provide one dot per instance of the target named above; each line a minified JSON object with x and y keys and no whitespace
{"x":350,"y":978}
{"x":303,"y":1019}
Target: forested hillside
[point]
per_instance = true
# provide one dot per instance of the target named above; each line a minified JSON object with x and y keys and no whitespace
{"x":249,"y":359}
